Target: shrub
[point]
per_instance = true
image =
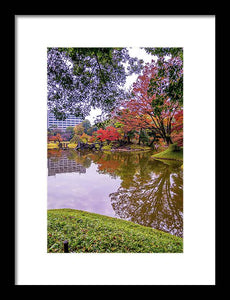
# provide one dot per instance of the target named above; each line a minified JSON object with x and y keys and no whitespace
{"x":84,"y":138}
{"x":107,"y":147}
{"x":97,"y":146}
{"x":72,"y":145}
{"x":174,"y":147}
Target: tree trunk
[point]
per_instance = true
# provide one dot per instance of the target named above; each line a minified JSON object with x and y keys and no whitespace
{"x":139,"y":141}
{"x":168,"y":140}
{"x":151,"y":144}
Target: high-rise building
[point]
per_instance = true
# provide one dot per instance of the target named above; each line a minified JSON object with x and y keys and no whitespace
{"x":69,"y":121}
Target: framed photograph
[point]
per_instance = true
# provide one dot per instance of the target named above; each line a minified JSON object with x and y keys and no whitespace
{"x":115,"y":159}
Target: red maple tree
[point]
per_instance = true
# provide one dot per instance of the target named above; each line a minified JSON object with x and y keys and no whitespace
{"x":109,"y":134}
{"x":152,"y":111}
{"x":177,"y":128}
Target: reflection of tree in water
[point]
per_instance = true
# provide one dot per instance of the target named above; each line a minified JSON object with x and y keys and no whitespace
{"x":123,"y":165}
{"x":155,"y":202}
{"x":151,"y":192}
{"x":80,"y":158}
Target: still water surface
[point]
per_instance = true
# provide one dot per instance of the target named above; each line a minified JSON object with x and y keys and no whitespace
{"x":125,"y":185}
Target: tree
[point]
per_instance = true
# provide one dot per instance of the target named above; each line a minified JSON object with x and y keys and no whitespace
{"x":86,"y":124}
{"x":177,"y":128}
{"x":125,"y":133}
{"x":81,"y":78}
{"x":69,"y":133}
{"x":78,"y":131}
{"x":85,"y":138}
{"x":172,"y":68}
{"x":108,"y":134}
{"x":58,"y":138}
{"x":54,"y":138}
{"x":70,"y":129}
{"x":160,"y":52}
{"x":91,"y":130}
{"x":51,"y":138}
{"x":153,"y":105}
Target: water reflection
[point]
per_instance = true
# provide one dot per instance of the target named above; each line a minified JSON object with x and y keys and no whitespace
{"x":60,"y":163}
{"x":154,"y":199}
{"x":148,"y":192}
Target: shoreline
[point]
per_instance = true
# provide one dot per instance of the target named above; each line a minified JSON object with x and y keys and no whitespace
{"x":167,"y":154}
{"x":165,"y":158}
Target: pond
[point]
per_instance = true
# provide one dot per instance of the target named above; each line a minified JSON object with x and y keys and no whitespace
{"x":127,"y":185}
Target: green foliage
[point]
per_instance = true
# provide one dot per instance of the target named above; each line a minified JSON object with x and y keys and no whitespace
{"x":87,"y":77}
{"x":118,"y":125}
{"x":91,"y":130}
{"x":144,"y":138}
{"x":90,"y":232}
{"x":174,"y":52}
{"x":69,"y":129}
{"x":103,"y":124}
{"x":107,"y":147}
{"x":86,"y":125}
{"x":172,"y":69}
{"x":174,"y":147}
{"x":75,"y":139}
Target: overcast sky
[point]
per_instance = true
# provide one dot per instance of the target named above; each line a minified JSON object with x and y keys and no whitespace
{"x":134,"y":52}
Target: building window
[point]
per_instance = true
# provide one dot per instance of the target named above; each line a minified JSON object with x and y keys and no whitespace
{"x":70,"y":121}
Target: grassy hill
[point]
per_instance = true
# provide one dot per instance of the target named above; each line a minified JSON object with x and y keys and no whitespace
{"x":90,"y":232}
{"x":171,"y":153}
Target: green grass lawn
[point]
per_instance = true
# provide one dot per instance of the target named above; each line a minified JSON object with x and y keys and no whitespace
{"x":169,"y":154}
{"x":90,"y":232}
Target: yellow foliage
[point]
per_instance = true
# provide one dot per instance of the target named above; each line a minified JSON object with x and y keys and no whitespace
{"x":85,"y":138}
{"x":52,"y":146}
{"x":72,"y":145}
